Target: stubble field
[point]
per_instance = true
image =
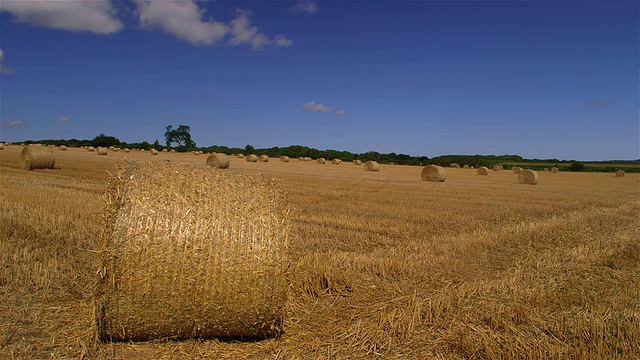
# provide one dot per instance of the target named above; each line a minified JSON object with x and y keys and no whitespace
{"x":383,"y":265}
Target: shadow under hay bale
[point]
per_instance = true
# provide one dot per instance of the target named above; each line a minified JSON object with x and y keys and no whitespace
{"x":218,"y":161}
{"x":37,"y":157}
{"x":187,"y":252}
{"x":434,"y":173}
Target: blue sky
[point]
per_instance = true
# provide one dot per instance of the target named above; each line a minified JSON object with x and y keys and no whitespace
{"x":540,"y":79}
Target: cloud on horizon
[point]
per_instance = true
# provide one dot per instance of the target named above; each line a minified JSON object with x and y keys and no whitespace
{"x":95,"y":16}
{"x":308,"y":7}
{"x":14,"y":124}
{"x":601,"y":103}
{"x":313,"y":106}
{"x":63,"y":120}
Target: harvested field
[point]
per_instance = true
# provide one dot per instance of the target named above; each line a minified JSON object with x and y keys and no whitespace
{"x":475,"y":267}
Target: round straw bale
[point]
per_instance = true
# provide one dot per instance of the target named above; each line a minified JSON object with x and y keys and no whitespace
{"x":529,"y":177}
{"x":172,"y":150}
{"x":284,"y":158}
{"x":546,"y":169}
{"x":187,"y":252}
{"x":516,"y":169}
{"x":37,"y":157}
{"x":1,"y":146}
{"x":240,"y":156}
{"x":263,"y":158}
{"x":321,"y":160}
{"x":471,"y":167}
{"x":126,"y":150}
{"x":455,"y":165}
{"x":62,"y":148}
{"x":482,"y":170}
{"x":336,"y":161}
{"x":620,"y":173}
{"x":497,"y":168}
{"x":252,"y":158}
{"x":371,"y":166}
{"x":165,"y":150}
{"x":357,"y":162}
{"x":434,"y":173}
{"x":102,"y":151}
{"x":153,"y":152}
{"x":307,"y":158}
{"x":465,"y":166}
{"x":554,"y":170}
{"x":91,"y":148}
{"x":218,"y":161}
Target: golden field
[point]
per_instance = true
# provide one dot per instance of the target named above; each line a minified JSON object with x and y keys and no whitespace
{"x":383,"y":265}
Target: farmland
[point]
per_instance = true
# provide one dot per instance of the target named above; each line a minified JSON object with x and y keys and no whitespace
{"x":382,"y":264}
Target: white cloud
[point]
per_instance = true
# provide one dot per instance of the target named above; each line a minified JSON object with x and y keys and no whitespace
{"x":183,"y":19}
{"x":243,"y":32}
{"x":315,"y":107}
{"x":95,"y":16}
{"x":340,"y":112}
{"x":281,"y":41}
{"x":63,"y":120}
{"x":4,"y":69}
{"x":300,"y":7}
{"x":14,"y":124}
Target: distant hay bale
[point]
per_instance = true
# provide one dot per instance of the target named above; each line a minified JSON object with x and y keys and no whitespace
{"x":62,"y":148}
{"x":165,"y":150}
{"x":516,"y":169}
{"x":357,"y":162}
{"x":371,"y":166}
{"x":197,"y":152}
{"x":554,"y":170}
{"x":529,"y":177}
{"x":153,"y":152}
{"x":336,"y":161}
{"x":252,"y":158}
{"x":126,"y":150}
{"x":37,"y":157}
{"x":218,"y":161}
{"x":434,"y":173}
{"x":321,"y":160}
{"x":91,"y":148}
{"x":102,"y":151}
{"x":263,"y":158}
{"x":307,"y":158}
{"x":240,"y":156}
{"x":1,"y":146}
{"x":284,"y":158}
{"x":497,"y":168}
{"x":546,"y":169}
{"x":187,"y":252}
{"x":471,"y":167}
{"x":465,"y":166}
{"x":172,"y":150}
{"x":455,"y":165}
{"x":482,"y":170}
{"x":620,"y":173}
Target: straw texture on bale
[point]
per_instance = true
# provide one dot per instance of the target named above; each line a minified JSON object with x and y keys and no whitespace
{"x":434,"y":173}
{"x":284,"y":158}
{"x":307,"y":158}
{"x":620,"y":173}
{"x":62,"y":148}
{"x":37,"y":157}
{"x":336,"y":161}
{"x":91,"y":148}
{"x":218,"y":161}
{"x":102,"y":151}
{"x":497,"y":168}
{"x":465,"y":166}
{"x":240,"y":156}
{"x":371,"y":166}
{"x":252,"y":158}
{"x":529,"y":177}
{"x":153,"y":152}
{"x":187,"y":252}
{"x":263,"y":158}
{"x":482,"y":170}
{"x":125,"y":150}
{"x":357,"y":162}
{"x":321,"y":160}
{"x":554,"y":170}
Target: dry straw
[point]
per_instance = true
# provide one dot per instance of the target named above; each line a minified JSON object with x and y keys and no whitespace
{"x":482,"y":170}
{"x":546,"y":169}
{"x":371,"y":166}
{"x":240,"y":156}
{"x":336,"y":161}
{"x":91,"y":148}
{"x":187,"y":252}
{"x":434,"y":173}
{"x":321,"y":160}
{"x":497,"y":168}
{"x":62,"y":148}
{"x":284,"y":158}
{"x":172,"y":150}
{"x":554,"y":170}
{"x":620,"y":173}
{"x":516,"y":169}
{"x":307,"y":158}
{"x":37,"y":157}
{"x":357,"y":162}
{"x":529,"y":177}
{"x":465,"y":166}
{"x":455,"y":165}
{"x":154,"y":152}
{"x":263,"y":158}
{"x":252,"y":158}
{"x":1,"y":146}
{"x":102,"y":151}
{"x":125,"y":150}
{"x":218,"y":161}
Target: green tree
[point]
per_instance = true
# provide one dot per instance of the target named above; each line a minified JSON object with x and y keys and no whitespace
{"x":180,"y":136}
{"x":105,"y":141}
{"x":249,"y":149}
{"x":576,"y":166}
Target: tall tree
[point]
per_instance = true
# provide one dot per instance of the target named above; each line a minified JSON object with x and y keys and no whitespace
{"x":180,"y":136}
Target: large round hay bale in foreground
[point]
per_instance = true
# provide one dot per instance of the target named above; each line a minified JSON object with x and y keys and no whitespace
{"x":187,"y":252}
{"x":284,"y":158}
{"x":620,"y":173}
{"x":218,"y":161}
{"x":252,"y":158}
{"x":529,"y":177}
{"x":434,"y":173}
{"x":102,"y":151}
{"x":263,"y":158}
{"x":371,"y":166}
{"x":321,"y":160}
{"x":37,"y":157}
{"x":482,"y":170}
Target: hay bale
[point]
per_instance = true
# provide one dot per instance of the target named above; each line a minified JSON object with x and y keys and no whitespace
{"x":218,"y":161}
{"x":284,"y":158}
{"x":1,"y":146}
{"x":371,"y":166}
{"x":465,"y":166}
{"x":37,"y":157}
{"x":62,"y":148}
{"x":554,"y":170}
{"x":620,"y":173}
{"x":497,"y":168}
{"x":187,"y":252}
{"x":102,"y":151}
{"x":252,"y":158}
{"x":165,"y":150}
{"x":546,"y":169}
{"x":434,"y":173}
{"x":516,"y":169}
{"x":471,"y":167}
{"x":263,"y":158}
{"x":172,"y":150}
{"x":455,"y":165}
{"x":240,"y":156}
{"x":153,"y":152}
{"x":357,"y":162}
{"x":321,"y":160}
{"x":307,"y":158}
{"x":336,"y":161}
{"x":91,"y":148}
{"x":482,"y":170}
{"x":125,"y":150}
{"x":529,"y":177}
